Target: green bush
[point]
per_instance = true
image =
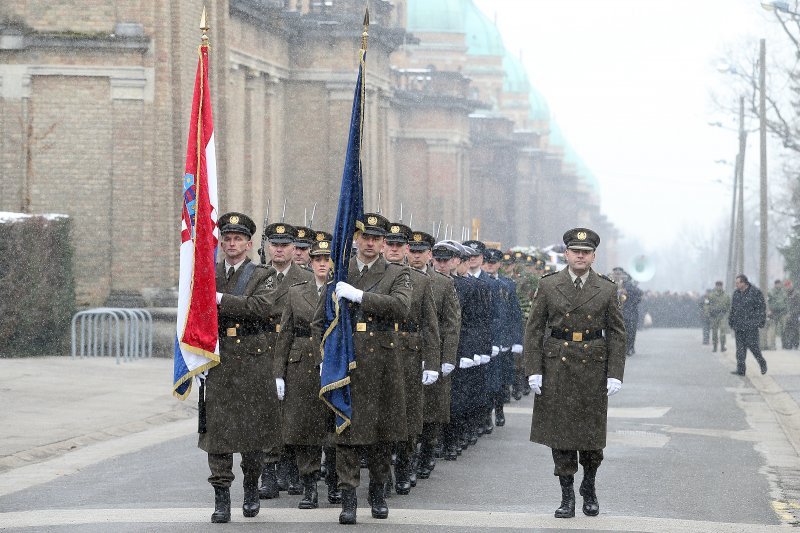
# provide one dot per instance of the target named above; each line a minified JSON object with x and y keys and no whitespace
{"x":37,"y":288}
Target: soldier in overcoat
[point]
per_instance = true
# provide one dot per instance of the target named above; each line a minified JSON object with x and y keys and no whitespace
{"x":306,"y":419}
{"x":283,"y":476}
{"x":419,"y":350}
{"x":379,"y":295}
{"x":242,"y":410}
{"x":575,"y":358}
{"x":436,"y":411}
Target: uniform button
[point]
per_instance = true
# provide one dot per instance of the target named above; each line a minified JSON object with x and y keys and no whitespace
{"x":566,"y":343}
{"x":584,"y":360}
{"x":259,"y":350}
{"x":563,"y":358}
{"x":238,"y":341}
{"x":369,"y":318}
{"x":587,"y":331}
{"x":371,"y":334}
{"x":237,"y":325}
{"x":585,"y":345}
{"x":404,"y":334}
{"x":567,"y":315}
{"x":566,"y":329}
{"x":372,"y":350}
{"x":589,"y":316}
{"x":391,"y":344}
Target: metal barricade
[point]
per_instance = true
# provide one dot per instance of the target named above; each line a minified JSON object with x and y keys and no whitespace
{"x":125,"y":333}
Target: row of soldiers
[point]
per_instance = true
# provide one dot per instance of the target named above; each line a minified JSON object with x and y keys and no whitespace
{"x":437,"y":332}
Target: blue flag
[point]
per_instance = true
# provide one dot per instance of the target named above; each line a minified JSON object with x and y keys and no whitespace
{"x":338,"y":355}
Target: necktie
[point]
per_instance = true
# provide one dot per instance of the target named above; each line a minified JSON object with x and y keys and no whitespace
{"x":364,"y":270}
{"x":280,"y":277}
{"x":578,"y":284}
{"x":230,"y":273}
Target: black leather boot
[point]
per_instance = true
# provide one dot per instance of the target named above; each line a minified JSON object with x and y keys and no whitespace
{"x":499,"y":416}
{"x":293,"y":477}
{"x":222,"y":505}
{"x":269,"y":482}
{"x":488,"y":425}
{"x":251,"y":505}
{"x":587,"y":490}
{"x":282,"y":473}
{"x":331,"y":478}
{"x":377,"y":500}
{"x":412,"y":471}
{"x":425,"y":462}
{"x":567,"y":509}
{"x":349,"y":506}
{"x":401,"y":475}
{"x":310,"y":497}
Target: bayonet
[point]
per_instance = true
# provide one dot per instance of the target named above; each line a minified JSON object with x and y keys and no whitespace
{"x":262,"y":252}
{"x":283,"y":215}
{"x":313,"y":210}
{"x":410,"y":217}
{"x":401,"y":212}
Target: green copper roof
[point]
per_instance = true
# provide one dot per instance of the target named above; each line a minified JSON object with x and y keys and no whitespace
{"x":435,"y":15}
{"x":483,"y":37}
{"x":572,"y":157}
{"x":516,"y":77}
{"x":539,"y":108}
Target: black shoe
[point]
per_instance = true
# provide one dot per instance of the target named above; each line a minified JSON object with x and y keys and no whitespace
{"x":438,"y":451}
{"x":310,"y":497}
{"x":567,"y":509}
{"x":516,"y":393}
{"x":251,"y":505}
{"x":488,"y":427}
{"x":295,"y":487}
{"x":763,"y":367}
{"x":736,"y":372}
{"x":222,"y":505}
{"x":473,"y":438}
{"x":451,"y":453}
{"x":282,"y":473}
{"x":362,"y":462}
{"x":269,"y":483}
{"x":499,"y":417}
{"x":349,"y":506}
{"x":723,"y":349}
{"x":587,"y":490}
{"x":334,"y":494}
{"x":377,"y":501}
{"x":402,"y":483}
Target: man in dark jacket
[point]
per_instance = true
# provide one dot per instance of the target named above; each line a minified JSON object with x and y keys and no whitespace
{"x":748,"y":313}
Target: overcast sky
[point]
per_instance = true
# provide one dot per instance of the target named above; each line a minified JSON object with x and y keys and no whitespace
{"x":630,"y":83}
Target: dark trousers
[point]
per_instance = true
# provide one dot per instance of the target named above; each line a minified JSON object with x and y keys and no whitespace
{"x":430,"y":434}
{"x":221,"y":466}
{"x":308,"y":458}
{"x":566,"y":461}
{"x":747,"y":338}
{"x":348,"y":469}
{"x":631,"y":324}
{"x":706,"y":330}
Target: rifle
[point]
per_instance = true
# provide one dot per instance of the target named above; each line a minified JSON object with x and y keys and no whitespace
{"x":262,"y":252}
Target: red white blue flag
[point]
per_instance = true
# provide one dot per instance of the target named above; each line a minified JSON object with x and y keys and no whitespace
{"x":196,"y":341}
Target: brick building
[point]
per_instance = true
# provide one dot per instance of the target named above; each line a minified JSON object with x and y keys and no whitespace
{"x":94,"y":103}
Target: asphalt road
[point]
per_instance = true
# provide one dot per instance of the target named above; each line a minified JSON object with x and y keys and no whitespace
{"x":691,"y":448}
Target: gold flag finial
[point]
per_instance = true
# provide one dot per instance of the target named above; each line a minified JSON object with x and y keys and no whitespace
{"x":204,"y":25}
{"x":365,"y":34}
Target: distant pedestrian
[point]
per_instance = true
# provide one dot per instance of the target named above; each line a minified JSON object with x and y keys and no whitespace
{"x":704,"y":316}
{"x":719,"y":304}
{"x":792,"y":331}
{"x":748,"y":313}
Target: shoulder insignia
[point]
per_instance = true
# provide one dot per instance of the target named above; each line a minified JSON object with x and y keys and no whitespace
{"x":550,"y":273}
{"x":270,"y":283}
{"x":298,"y":283}
{"x":606,"y":278}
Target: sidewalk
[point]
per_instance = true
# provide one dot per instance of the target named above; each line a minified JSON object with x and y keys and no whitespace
{"x":55,"y":405}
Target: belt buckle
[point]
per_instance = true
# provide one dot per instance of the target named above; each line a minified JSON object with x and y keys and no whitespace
{"x":230,"y":332}
{"x":396,"y":326}
{"x":277,"y":328}
{"x":577,"y":336}
{"x":361,"y":326}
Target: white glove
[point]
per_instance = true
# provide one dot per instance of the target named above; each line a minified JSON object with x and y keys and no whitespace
{"x":613,"y":385}
{"x":466,"y":362}
{"x":535,"y":382}
{"x":219,"y":298}
{"x":447,"y":368}
{"x":280,"y":385}
{"x":504,"y":348}
{"x":348,"y":292}
{"x":199,"y":378}
{"x":485,"y":359}
{"x":429,"y":377}
{"x":517,"y":348}
{"x":495,"y":351}
{"x":477,"y":359}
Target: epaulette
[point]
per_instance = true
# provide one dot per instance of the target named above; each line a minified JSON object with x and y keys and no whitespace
{"x":606,"y":278}
{"x":550,"y":274}
{"x":443,"y":275}
{"x":298,"y":283}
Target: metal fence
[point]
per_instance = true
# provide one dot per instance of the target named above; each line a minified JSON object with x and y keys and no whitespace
{"x":112,"y":331}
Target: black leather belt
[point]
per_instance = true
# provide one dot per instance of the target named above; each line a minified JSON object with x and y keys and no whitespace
{"x":408,"y":327}
{"x":302,"y":332}
{"x":376,"y":325}
{"x":576,"y":336}
{"x":242,"y":330}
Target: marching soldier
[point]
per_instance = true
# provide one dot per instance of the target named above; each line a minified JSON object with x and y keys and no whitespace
{"x":576,"y":367}
{"x":302,"y":246}
{"x":379,"y":294}
{"x":297,"y":360}
{"x":242,"y":410}
{"x":419,"y":348}
{"x":436,"y":411}
{"x":719,"y":303}
{"x":281,"y":249}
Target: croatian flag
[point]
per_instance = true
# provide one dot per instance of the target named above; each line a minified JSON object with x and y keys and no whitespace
{"x":196,"y":342}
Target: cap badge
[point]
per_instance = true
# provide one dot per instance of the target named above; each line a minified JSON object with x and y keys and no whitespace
{"x":234,"y":219}
{"x":506,"y":257}
{"x":320,"y":237}
{"x":323,"y":245}
{"x":395,"y":229}
{"x":280,"y":229}
{"x":372,"y":221}
{"x":417,"y":237}
{"x":301,"y":233}
{"x":581,"y":235}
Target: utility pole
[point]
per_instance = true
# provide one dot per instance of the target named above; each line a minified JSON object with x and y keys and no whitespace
{"x":740,"y":182}
{"x":762,"y":114}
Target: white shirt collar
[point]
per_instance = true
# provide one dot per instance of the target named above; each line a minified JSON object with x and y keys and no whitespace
{"x":361,"y":265}
{"x":285,"y":270}
{"x":236,"y":266}
{"x":573,"y":275}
